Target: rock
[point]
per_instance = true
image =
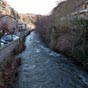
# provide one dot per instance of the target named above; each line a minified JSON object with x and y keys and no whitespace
{"x":64,"y":43}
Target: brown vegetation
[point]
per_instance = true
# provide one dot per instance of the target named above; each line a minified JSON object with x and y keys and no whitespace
{"x":30,"y":19}
{"x":64,"y":32}
{"x":8,"y":72}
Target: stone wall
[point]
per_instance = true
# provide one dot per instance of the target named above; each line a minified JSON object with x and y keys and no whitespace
{"x":9,"y":63}
{"x":12,"y":48}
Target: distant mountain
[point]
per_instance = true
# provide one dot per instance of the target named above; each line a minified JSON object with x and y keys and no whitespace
{"x":28,"y":18}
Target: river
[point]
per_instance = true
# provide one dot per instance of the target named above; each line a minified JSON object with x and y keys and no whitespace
{"x":43,"y":68}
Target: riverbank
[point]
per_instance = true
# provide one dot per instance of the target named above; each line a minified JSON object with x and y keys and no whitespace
{"x":65,"y":32}
{"x":69,"y":37}
{"x":64,"y":45}
{"x":9,"y":62}
{"x":9,"y":72}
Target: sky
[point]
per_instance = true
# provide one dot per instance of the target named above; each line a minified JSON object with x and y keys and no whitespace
{"x":42,"y":7}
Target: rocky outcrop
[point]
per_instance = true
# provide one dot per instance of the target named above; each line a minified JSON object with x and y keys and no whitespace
{"x":6,"y":9}
{"x":27,"y":18}
{"x":64,"y":32}
{"x":8,"y":23}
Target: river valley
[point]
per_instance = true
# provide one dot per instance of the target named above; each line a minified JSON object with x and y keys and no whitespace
{"x":44,"y":68}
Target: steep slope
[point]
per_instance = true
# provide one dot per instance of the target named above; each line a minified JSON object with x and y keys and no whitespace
{"x":5,"y":9}
{"x":64,"y":32}
{"x":28,"y":18}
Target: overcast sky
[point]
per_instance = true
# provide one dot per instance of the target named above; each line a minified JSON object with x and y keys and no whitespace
{"x":33,"y":6}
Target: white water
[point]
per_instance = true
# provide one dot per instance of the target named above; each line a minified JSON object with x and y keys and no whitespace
{"x":44,"y":68}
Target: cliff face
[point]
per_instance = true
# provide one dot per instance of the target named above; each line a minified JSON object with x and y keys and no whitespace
{"x":63,"y":32}
{"x":8,"y":18}
{"x":65,"y":9}
{"x":5,"y":9}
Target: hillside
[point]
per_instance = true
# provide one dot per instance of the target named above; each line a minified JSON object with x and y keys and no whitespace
{"x":28,"y":18}
{"x":6,"y":9}
{"x":65,"y":32}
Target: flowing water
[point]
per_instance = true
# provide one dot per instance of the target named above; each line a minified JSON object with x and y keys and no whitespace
{"x":44,"y":68}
